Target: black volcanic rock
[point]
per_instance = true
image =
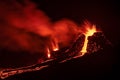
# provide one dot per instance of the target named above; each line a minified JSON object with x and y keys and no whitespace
{"x":97,"y":42}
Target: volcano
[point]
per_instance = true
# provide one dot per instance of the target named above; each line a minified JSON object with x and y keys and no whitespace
{"x":96,"y":44}
{"x":60,"y":44}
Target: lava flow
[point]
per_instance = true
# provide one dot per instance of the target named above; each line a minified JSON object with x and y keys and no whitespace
{"x":89,"y":32}
{"x":48,"y":53}
{"x":55,"y":46}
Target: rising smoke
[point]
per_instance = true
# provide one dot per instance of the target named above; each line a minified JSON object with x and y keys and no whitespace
{"x":24,"y":27}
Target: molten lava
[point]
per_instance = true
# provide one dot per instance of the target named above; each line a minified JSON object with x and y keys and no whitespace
{"x":48,"y":53}
{"x":89,"y":32}
{"x":55,"y":46}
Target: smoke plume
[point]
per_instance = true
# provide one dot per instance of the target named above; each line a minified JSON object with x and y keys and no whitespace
{"x":24,"y":27}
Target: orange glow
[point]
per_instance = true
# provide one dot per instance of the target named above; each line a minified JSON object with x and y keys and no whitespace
{"x":55,"y":49}
{"x":89,"y":32}
{"x":48,"y":53}
{"x":55,"y":46}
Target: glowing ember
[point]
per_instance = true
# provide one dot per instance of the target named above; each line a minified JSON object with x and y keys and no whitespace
{"x":89,"y":32}
{"x":48,"y":53}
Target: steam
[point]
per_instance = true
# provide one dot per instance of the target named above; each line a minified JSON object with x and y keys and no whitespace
{"x":25,"y":16}
{"x":25,"y":27}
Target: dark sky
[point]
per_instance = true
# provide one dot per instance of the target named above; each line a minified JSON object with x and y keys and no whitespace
{"x":104,"y":14}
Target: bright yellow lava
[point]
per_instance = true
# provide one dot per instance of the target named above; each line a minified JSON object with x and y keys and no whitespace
{"x":48,"y":53}
{"x":55,"y":49}
{"x":55,"y":45}
{"x":89,"y":32}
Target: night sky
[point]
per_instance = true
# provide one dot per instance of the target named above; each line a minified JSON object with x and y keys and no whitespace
{"x":104,"y":14}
